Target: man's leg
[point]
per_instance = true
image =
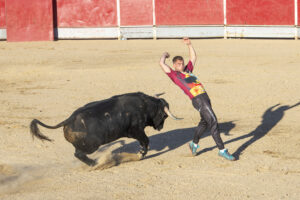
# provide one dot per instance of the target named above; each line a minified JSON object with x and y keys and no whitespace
{"x":199,"y":130}
{"x":208,"y":119}
{"x":212,"y":123}
{"x":198,"y":133}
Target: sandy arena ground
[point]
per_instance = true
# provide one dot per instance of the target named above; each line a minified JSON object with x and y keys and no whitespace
{"x":254,"y":87}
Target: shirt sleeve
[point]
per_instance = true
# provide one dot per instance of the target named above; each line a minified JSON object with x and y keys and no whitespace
{"x":189,"y":67}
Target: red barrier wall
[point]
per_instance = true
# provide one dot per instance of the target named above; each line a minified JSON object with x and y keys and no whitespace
{"x":2,"y":14}
{"x":29,"y":20}
{"x":136,"y":12}
{"x":260,"y":12}
{"x":298,"y":12}
{"x":86,"y":13}
{"x":189,"y":12}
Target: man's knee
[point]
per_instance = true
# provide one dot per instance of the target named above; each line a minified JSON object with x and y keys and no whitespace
{"x":214,"y":126}
{"x":202,"y":123}
{"x":212,"y":123}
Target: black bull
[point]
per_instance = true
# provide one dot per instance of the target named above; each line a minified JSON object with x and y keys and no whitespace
{"x":102,"y":122}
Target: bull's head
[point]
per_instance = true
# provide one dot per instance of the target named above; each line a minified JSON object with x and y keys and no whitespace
{"x":162,"y":113}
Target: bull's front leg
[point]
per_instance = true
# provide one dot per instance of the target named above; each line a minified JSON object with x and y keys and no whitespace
{"x":144,"y":146}
{"x":143,"y":140}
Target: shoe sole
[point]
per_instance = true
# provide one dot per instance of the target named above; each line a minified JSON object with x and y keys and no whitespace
{"x":226,"y":158}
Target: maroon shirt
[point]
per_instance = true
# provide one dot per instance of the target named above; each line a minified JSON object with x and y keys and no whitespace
{"x":187,"y":81}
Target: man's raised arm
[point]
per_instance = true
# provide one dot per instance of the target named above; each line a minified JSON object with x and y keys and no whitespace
{"x":193,"y":56}
{"x":162,"y":63}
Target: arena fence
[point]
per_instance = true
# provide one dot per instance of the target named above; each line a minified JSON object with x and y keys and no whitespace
{"x":34,"y":20}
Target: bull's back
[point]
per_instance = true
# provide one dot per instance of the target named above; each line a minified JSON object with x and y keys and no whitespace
{"x":102,"y":122}
{"x":110,"y":119}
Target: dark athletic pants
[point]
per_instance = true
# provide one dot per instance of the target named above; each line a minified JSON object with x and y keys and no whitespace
{"x":208,"y":120}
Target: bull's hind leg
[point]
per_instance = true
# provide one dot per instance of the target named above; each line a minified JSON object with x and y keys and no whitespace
{"x":82,"y":157}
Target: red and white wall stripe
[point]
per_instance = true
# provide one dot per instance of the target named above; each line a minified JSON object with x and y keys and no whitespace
{"x":267,"y":18}
{"x":2,"y":20}
{"x":26,"y":20}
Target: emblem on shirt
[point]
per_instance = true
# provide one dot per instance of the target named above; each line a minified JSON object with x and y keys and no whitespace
{"x":194,"y":84}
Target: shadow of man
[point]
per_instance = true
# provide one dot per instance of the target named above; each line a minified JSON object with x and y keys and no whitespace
{"x":270,"y":119}
{"x":168,"y":141}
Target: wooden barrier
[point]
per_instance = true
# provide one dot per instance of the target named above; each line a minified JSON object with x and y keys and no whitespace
{"x":136,"y":12}
{"x":2,"y":20}
{"x":258,"y":12}
{"x":298,"y":14}
{"x":86,"y":13}
{"x":2,"y":14}
{"x":191,"y":12}
{"x":29,"y":20}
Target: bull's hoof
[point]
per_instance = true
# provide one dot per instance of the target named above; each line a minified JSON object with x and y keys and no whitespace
{"x":91,"y":163}
{"x":141,"y":156}
{"x":143,"y":153}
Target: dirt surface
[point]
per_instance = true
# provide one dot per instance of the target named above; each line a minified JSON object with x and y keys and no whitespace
{"x":253,"y":85}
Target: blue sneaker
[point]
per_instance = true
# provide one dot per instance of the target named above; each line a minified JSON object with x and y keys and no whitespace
{"x":193,"y":148}
{"x":226,"y":155}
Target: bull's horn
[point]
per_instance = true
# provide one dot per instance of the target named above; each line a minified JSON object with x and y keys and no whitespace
{"x":159,"y":94}
{"x":167,"y":111}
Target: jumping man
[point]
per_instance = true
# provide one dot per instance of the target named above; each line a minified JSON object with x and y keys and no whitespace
{"x":182,"y":76}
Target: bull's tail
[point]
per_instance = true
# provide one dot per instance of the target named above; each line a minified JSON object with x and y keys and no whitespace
{"x":35,"y":131}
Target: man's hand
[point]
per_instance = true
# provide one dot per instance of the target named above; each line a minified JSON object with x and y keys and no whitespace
{"x":166,"y":55}
{"x":162,"y":63}
{"x":187,"y":41}
{"x":193,"y":57}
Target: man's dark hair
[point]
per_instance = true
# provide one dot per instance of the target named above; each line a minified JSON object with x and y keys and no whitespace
{"x":177,"y":58}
